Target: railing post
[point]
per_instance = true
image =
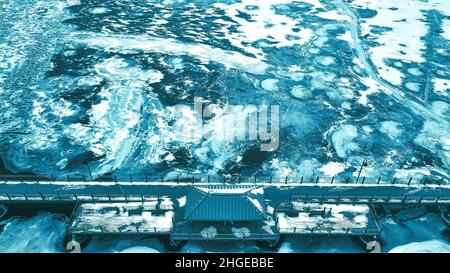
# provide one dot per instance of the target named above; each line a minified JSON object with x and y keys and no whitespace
{"x":393,"y":181}
{"x":437,"y":199}
{"x":420,"y":199}
{"x":404,"y":199}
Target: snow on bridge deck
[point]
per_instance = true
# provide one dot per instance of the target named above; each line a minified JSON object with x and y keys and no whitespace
{"x":329,"y":219}
{"x":125,"y":217}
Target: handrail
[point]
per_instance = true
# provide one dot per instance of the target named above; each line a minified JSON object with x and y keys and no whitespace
{"x":434,"y":180}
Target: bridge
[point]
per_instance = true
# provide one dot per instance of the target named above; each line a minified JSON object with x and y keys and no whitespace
{"x":157,"y":207}
{"x":336,"y":193}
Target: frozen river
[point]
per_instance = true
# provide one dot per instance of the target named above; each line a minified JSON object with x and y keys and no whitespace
{"x":96,"y":87}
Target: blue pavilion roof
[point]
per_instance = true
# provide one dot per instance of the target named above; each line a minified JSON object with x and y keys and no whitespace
{"x":225,"y":203}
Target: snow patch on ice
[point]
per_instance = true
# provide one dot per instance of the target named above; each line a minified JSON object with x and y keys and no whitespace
{"x":114,"y":120}
{"x":431,"y":246}
{"x":139,"y":249}
{"x":300,"y":92}
{"x":270,"y":84}
{"x":203,"y":52}
{"x":391,"y":128}
{"x":333,"y":168}
{"x":441,"y":86}
{"x":343,"y":138}
{"x":265,"y":24}
{"x":446,"y":29}
{"x":98,"y":10}
{"x":403,"y":38}
{"x":413,"y":86}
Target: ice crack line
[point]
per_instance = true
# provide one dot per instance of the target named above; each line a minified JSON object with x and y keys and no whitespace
{"x":388,"y":88}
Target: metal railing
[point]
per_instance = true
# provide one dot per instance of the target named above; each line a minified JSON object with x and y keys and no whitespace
{"x":223,"y":236}
{"x":85,"y":198}
{"x":365,"y":199}
{"x":225,"y":179}
{"x":331,"y":231}
{"x":101,"y":231}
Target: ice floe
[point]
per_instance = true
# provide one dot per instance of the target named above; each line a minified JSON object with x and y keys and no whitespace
{"x":391,"y":128}
{"x":270,"y":84}
{"x":203,"y":52}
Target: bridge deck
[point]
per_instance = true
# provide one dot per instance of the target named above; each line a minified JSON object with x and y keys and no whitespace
{"x":126,"y":217}
{"x":276,"y":192}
